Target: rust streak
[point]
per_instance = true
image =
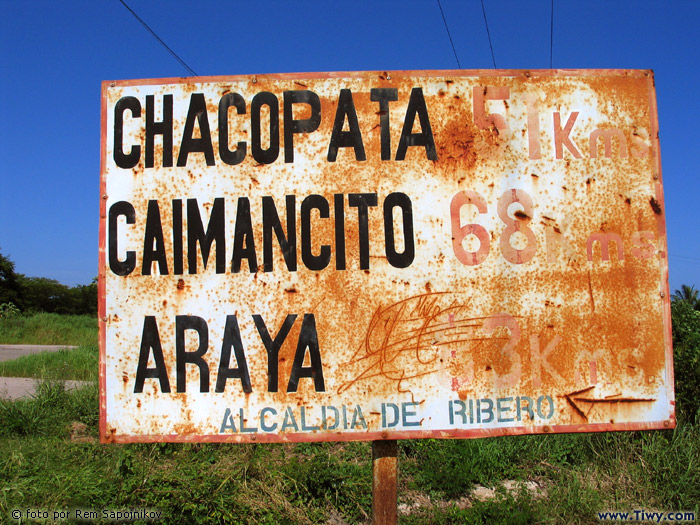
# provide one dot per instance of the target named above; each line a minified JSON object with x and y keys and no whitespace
{"x":590,"y":292}
{"x":576,"y":409}
{"x":615,"y":400}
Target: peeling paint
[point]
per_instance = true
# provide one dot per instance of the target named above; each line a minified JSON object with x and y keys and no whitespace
{"x":367,"y":255}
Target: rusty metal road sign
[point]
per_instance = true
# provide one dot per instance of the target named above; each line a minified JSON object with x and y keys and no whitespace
{"x":373,"y":255}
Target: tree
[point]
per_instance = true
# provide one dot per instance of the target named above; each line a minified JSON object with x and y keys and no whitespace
{"x":10,"y":289}
{"x":688,"y":294}
{"x":40,"y":294}
{"x":686,"y":359}
{"x":84,"y":298}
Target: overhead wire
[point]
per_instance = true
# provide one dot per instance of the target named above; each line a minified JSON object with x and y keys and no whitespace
{"x":551,"y":37}
{"x":685,"y":258}
{"x":493,"y":57}
{"x":449,"y":35}
{"x":181,"y":61}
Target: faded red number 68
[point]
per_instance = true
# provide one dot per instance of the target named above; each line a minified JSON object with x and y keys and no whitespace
{"x":516,"y":223}
{"x":459,"y":232}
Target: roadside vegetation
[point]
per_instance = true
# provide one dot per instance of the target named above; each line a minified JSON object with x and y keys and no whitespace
{"x":48,"y":329}
{"x":79,"y":364}
{"x":52,"y":329}
{"x":20,"y":293}
{"x":50,"y":458}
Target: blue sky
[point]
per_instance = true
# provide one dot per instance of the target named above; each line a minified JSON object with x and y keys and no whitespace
{"x":55,"y":55}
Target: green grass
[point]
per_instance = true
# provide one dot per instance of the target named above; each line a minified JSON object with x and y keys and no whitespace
{"x":579,"y":475}
{"x":50,"y":458}
{"x":52,"y":329}
{"x":49,"y":329}
{"x":43,"y":466}
{"x":81,"y":364}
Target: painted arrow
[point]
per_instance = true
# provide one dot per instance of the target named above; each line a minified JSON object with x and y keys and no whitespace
{"x":571,"y":399}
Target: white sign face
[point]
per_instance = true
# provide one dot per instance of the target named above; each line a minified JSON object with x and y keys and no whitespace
{"x":357,"y":256}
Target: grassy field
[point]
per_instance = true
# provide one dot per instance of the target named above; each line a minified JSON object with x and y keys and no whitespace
{"x":80,"y":364}
{"x":52,"y":329}
{"x":49,"y":329}
{"x":50,"y":458}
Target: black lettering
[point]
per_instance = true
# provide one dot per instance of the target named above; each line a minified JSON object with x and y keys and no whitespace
{"x":215,"y":232}
{"x":230,"y":157}
{"x":292,"y":126}
{"x":271,"y":222}
{"x":362,"y":201}
{"x":182,"y":358}
{"x":197,"y":111}
{"x":308,"y":338}
{"x":243,"y":240}
{"x":401,"y":200}
{"x":311,"y":261}
{"x":416,"y":105}
{"x":153,"y":242}
{"x":346,"y":139}
{"x":125,"y":267}
{"x":269,"y":155}
{"x":339,"y":215}
{"x":273,"y":347}
{"x":165,"y":128}
{"x":131,"y":159}
{"x":177,"y":237}
{"x":384,"y":96}
{"x":232,"y":338}
{"x":150,"y":340}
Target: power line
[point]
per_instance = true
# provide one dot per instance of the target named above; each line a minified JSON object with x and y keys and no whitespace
{"x":551,"y":37}
{"x":449,"y":35}
{"x":685,"y":258}
{"x":182,"y":62}
{"x":493,"y":57}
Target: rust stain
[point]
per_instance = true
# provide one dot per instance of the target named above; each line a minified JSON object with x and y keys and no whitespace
{"x":614,"y":400}
{"x":429,"y":319}
{"x":655,"y":205}
{"x":384,"y":482}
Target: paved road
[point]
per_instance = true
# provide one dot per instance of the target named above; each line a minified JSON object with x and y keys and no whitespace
{"x":19,"y":387}
{"x":9,"y":352}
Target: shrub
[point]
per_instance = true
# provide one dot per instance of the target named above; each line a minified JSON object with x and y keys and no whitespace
{"x":8,"y":310}
{"x":686,"y":356}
